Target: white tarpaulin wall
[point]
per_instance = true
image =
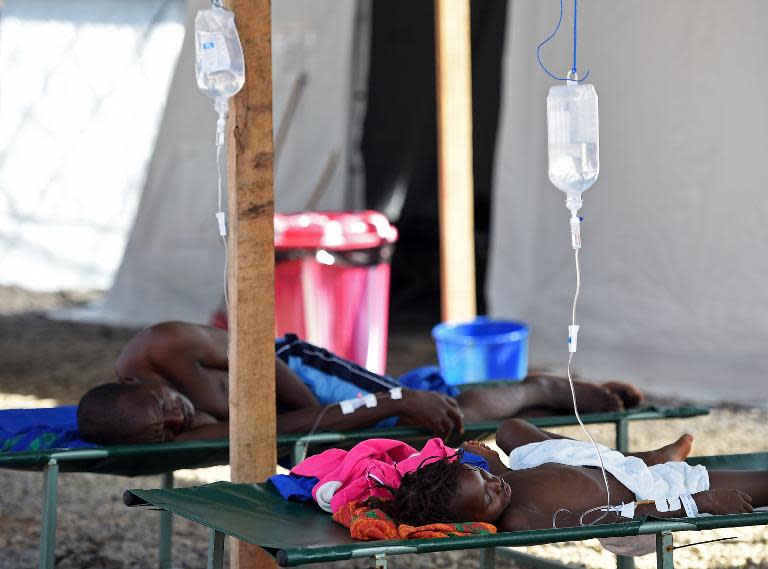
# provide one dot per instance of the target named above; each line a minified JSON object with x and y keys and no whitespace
{"x":82,"y":87}
{"x":173,"y":266}
{"x":674,"y":262}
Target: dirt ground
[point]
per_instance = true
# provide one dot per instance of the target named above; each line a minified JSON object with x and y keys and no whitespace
{"x":45,"y":362}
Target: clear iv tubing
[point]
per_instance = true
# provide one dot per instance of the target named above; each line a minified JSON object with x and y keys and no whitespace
{"x":576,"y":409}
{"x":221,"y":124}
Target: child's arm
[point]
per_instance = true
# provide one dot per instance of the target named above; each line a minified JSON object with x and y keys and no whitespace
{"x":716,"y":501}
{"x":495,"y":465}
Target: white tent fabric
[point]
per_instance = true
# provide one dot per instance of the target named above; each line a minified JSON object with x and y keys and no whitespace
{"x":173,"y":266}
{"x":674,"y":258}
{"x":83,"y":86}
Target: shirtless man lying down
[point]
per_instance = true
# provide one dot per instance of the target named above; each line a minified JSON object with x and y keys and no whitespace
{"x":171,"y":384}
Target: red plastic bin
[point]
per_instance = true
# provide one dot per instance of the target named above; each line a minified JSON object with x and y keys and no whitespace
{"x":332,"y":282}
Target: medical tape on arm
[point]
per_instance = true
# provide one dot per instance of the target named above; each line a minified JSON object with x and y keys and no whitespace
{"x":691,"y":509}
{"x":351,"y":405}
{"x":627,"y":510}
{"x":369,"y":400}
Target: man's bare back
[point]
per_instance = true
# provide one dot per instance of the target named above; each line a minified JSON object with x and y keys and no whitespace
{"x":191,"y":359}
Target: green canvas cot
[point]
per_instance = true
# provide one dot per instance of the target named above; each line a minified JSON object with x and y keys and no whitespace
{"x":165,"y":458}
{"x":300,"y":533}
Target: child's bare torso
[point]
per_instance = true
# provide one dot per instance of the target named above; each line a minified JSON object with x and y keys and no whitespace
{"x":538,"y":493}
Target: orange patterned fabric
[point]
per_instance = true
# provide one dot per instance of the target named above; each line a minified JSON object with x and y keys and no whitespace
{"x":372,"y":523}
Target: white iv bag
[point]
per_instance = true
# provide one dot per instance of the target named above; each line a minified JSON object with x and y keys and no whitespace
{"x":219,"y":65}
{"x":572,"y":129}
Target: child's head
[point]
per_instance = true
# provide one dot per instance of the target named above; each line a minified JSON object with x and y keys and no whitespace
{"x":449,"y":491}
{"x":115,"y":413}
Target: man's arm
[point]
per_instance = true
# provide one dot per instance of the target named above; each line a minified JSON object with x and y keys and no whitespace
{"x":434,"y":411}
{"x":213,"y":431}
{"x":290,"y":391}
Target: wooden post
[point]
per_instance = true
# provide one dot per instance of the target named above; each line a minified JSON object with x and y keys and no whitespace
{"x":251,"y":267}
{"x":454,"y":135}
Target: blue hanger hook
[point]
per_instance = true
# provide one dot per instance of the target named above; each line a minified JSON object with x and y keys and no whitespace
{"x":572,"y":75}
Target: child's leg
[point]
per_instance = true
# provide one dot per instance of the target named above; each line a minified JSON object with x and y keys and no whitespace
{"x":752,"y":482}
{"x":514,"y":433}
{"x":673,"y":452}
{"x":536,"y":392}
{"x":517,"y":432}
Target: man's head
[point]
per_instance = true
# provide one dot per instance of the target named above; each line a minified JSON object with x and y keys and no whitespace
{"x":117,"y":413}
{"x":448,"y":491}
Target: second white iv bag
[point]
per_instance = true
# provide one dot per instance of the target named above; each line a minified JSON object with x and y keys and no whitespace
{"x":572,"y":129}
{"x":219,"y":64}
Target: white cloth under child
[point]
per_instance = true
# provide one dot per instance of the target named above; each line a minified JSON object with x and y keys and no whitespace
{"x":656,"y":482}
{"x":668,"y":480}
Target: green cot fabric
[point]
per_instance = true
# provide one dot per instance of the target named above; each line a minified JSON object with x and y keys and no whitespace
{"x":483,"y":429}
{"x":43,"y":441}
{"x":157,"y":458}
{"x":125,"y":460}
{"x":750,"y":461}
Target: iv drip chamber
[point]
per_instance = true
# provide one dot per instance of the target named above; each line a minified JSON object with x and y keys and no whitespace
{"x":572,"y":132}
{"x":219,"y":62}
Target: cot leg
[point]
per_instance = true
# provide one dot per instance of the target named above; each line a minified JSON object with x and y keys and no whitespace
{"x":165,"y":548}
{"x":488,"y":558}
{"x":48,"y":528}
{"x":664,"y":550}
{"x":622,"y":435}
{"x":378,"y":561}
{"x":622,"y":445}
{"x":216,"y":550}
{"x":623,"y":562}
{"x":299,"y":452}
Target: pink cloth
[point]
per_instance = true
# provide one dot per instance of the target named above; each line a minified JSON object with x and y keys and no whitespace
{"x":350,"y":476}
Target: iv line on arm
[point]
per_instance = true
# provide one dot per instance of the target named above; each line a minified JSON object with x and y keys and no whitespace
{"x":348,"y":406}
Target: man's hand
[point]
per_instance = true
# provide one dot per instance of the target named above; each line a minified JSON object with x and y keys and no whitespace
{"x":435,"y":411}
{"x":723,"y":501}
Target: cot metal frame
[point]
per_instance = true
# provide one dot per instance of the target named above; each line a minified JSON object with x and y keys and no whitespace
{"x":621,"y":425}
{"x":377,"y":554}
{"x":77,"y":460}
{"x":50,"y":503}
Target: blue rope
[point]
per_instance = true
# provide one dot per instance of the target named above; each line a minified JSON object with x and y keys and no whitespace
{"x":552,"y":35}
{"x":575,"y":16}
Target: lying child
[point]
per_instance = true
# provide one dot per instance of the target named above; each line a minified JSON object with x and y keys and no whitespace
{"x":552,"y":482}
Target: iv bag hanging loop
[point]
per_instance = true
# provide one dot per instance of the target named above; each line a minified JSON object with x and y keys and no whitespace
{"x":574,"y":67}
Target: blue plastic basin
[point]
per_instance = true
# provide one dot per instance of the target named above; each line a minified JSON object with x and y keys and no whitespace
{"x":482,"y":350}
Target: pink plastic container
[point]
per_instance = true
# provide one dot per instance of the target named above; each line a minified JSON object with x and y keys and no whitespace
{"x":332,"y":282}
